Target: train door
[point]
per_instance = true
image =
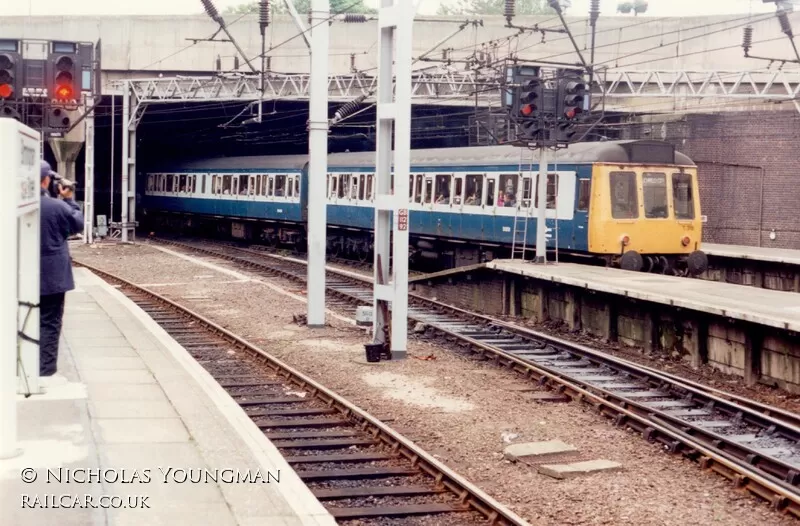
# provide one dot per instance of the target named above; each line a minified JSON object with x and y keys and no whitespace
{"x":442,"y":202}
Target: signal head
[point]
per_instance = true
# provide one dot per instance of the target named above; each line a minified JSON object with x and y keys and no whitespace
{"x":6,"y":76}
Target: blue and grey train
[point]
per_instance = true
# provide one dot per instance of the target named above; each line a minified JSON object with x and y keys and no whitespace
{"x":632,"y":204}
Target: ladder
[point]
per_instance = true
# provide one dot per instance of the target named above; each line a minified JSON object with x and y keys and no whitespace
{"x":519,"y":240}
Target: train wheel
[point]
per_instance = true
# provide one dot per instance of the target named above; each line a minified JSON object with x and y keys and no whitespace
{"x":631,"y":260}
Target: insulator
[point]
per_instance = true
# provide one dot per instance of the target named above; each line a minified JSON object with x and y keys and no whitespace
{"x":269,"y":63}
{"x":783,"y":18}
{"x":264,"y":13}
{"x":355,"y":18}
{"x":747,"y":38}
{"x":236,"y":62}
{"x":348,"y":108}
{"x":594,"y":10}
{"x":510,"y":9}
{"x":219,"y":63}
{"x":210,"y":9}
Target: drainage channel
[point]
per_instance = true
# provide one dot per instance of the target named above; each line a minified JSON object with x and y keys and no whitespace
{"x":748,"y":443}
{"x":359,"y":468}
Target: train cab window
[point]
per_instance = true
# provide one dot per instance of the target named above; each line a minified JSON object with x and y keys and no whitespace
{"x":370,"y":186}
{"x":584,"y":193}
{"x":458,"y":191}
{"x":654,"y":191}
{"x":624,"y":196}
{"x":474,"y":190}
{"x":443,"y":183}
{"x":490,"y":191}
{"x":280,"y":186}
{"x":682,"y":196}
{"x":508,"y":189}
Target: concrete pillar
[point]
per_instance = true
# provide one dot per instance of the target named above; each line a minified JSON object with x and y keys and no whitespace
{"x":753,"y":341}
{"x":758,"y":278}
{"x":612,"y":333}
{"x":572,"y":310}
{"x":66,"y":153}
{"x":691,"y":342}
{"x":541,"y":304}
{"x":649,"y":331}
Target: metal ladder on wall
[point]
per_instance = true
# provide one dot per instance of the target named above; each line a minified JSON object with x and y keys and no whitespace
{"x":519,"y":240}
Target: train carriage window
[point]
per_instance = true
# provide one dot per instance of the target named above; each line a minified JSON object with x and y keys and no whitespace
{"x":527,"y":191}
{"x":243,"y":183}
{"x":271,"y":186}
{"x":289,"y":186}
{"x":410,"y":187}
{"x":584,"y":193}
{"x":150,"y":182}
{"x":418,"y":188}
{"x":683,"y":196}
{"x":654,"y":190}
{"x":552,"y":190}
{"x":474,"y":190}
{"x":280,"y":186}
{"x":226,"y":184}
{"x":370,"y":186}
{"x":297,"y":186}
{"x":428,"y":189}
{"x":264,"y":179}
{"x":169,"y":182}
{"x":344,"y":185}
{"x":362,"y":186}
{"x":354,"y":186}
{"x":203,"y":184}
{"x":490,"y":191}
{"x":459,"y":191}
{"x":443,"y":184}
{"x":624,"y":196}
{"x":508,"y":187}
{"x":182,"y":183}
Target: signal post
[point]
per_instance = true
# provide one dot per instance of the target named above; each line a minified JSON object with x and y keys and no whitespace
{"x":545,"y":110}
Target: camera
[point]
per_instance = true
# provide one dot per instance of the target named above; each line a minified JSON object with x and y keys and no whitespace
{"x":57,"y":183}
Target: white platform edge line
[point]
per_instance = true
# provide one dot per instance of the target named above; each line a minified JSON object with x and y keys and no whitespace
{"x":299,"y":496}
{"x":654,"y":297}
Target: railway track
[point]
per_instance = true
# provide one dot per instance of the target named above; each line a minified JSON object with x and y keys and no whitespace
{"x":358,"y":467}
{"x":754,"y":445}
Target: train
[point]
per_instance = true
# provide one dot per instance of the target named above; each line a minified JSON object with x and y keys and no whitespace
{"x":629,"y":204}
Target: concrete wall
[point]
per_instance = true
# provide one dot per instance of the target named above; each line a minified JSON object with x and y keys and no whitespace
{"x":747,"y":166}
{"x":158,"y":43}
{"x":756,"y":353}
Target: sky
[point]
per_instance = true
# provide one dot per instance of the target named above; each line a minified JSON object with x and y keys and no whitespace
{"x":657,"y":8}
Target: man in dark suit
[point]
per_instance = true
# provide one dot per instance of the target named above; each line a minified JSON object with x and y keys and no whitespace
{"x":60,"y":218}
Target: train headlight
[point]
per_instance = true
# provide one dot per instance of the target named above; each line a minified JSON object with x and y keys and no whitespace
{"x":685,"y":241}
{"x":626,"y":241}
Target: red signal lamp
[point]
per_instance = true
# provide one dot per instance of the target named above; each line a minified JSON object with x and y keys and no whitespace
{"x":526,"y":109}
{"x":63,"y":92}
{"x":6,"y":90}
{"x":572,"y":112}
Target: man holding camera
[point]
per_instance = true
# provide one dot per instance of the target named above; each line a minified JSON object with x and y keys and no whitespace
{"x":60,"y":218}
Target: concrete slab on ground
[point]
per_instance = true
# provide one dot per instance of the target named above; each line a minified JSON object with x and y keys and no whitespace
{"x":524,"y":450}
{"x":563,"y":471}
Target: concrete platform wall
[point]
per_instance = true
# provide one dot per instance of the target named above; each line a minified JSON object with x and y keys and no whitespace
{"x":756,"y":353}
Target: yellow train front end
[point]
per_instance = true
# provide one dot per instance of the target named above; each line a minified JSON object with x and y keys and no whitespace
{"x":646,"y":217}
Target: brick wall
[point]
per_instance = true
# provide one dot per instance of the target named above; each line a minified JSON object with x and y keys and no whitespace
{"x":734,"y":151}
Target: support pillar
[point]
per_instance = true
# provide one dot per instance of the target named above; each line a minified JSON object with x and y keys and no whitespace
{"x":318,"y":163}
{"x":541,"y":209}
{"x":128,"y":186}
{"x":395,"y":23}
{"x":88,"y":199}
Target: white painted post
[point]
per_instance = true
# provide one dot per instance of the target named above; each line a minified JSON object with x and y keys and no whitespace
{"x":317,"y":163}
{"x":20,"y":158}
{"x":541,"y":211}
{"x":126,"y":117}
{"x":395,"y":24}
{"x":88,"y":201}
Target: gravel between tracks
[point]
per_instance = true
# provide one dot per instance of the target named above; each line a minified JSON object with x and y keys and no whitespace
{"x":462,"y":411}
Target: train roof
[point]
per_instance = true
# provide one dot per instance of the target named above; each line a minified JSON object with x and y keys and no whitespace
{"x":630,"y":151}
{"x":645,"y":152}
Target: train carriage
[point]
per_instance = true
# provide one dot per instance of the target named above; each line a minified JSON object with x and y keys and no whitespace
{"x":632,"y":204}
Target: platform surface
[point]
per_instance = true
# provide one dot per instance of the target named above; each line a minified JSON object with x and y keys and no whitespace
{"x":772,"y":255}
{"x":136,"y":407}
{"x":763,"y":306}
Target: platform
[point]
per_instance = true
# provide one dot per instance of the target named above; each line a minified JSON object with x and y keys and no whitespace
{"x":136,"y":404}
{"x":771,"y":255}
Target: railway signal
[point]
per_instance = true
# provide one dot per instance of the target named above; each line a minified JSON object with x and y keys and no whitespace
{"x":64,"y":72}
{"x":571,"y":100}
{"x":10,"y":76}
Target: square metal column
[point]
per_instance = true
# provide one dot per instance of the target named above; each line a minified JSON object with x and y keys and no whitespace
{"x":395,"y":22}
{"x":88,"y":199}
